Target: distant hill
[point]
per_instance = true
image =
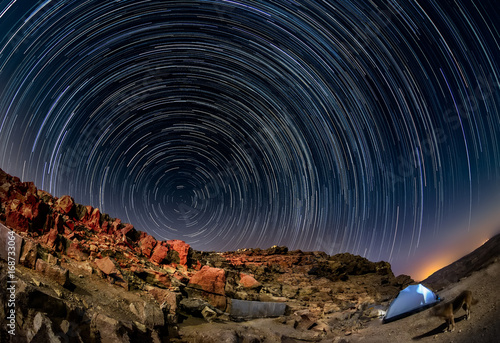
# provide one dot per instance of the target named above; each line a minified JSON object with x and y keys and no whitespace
{"x":480,"y":258}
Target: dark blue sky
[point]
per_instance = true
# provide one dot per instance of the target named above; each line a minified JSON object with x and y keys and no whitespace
{"x":338,"y":126}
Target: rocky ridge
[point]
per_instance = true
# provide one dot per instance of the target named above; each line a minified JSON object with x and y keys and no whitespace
{"x":478,"y":259}
{"x":86,"y":277}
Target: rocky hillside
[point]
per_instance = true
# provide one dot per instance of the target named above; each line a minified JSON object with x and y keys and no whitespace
{"x":479,"y":259}
{"x":83,"y":276}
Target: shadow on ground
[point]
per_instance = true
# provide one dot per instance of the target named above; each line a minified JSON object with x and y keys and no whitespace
{"x":440,"y":329}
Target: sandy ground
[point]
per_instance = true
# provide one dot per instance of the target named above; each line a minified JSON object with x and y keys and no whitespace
{"x":482,"y":327}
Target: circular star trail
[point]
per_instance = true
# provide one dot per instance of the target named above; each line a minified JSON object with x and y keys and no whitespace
{"x":320,"y":125}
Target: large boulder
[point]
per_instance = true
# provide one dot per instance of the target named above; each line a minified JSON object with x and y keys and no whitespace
{"x":168,"y":301}
{"x":208,"y":279}
{"x":209,"y":283}
{"x":160,"y":254}
{"x":15,"y":217}
{"x":108,"y":266}
{"x":148,"y":314}
{"x":128,"y":231}
{"x":109,"y":329}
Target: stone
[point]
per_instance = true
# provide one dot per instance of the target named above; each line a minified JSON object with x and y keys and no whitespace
{"x":116,"y":225}
{"x":110,"y":330}
{"x":160,"y":254}
{"x":52,"y":238}
{"x":107,"y":265}
{"x":154,"y":277}
{"x":41,"y":330}
{"x":208,"y":314}
{"x":182,"y":248}
{"x":53,"y":272}
{"x":64,"y":204}
{"x":65,"y":326}
{"x":248,"y":281}
{"x":167,"y":300}
{"x":305,"y":320}
{"x":70,"y":225}
{"x":81,"y":211}
{"x":195,"y":307}
{"x":51,"y":259}
{"x":94,"y":222}
{"x":147,"y":244}
{"x":110,"y":268}
{"x":192,"y":306}
{"x":209,"y":283}
{"x":209,"y":279}
{"x":14,"y":217}
{"x":148,"y":314}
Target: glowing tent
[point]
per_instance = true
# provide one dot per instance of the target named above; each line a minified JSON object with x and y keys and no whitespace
{"x":412,"y":299}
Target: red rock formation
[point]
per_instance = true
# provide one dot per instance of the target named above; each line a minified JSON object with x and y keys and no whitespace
{"x":129,"y":231}
{"x":208,"y":279}
{"x":182,"y":249}
{"x":160,"y":254}
{"x":94,"y":220}
{"x":210,"y":284}
{"x":147,"y":244}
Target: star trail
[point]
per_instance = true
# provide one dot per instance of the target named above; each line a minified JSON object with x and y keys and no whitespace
{"x":369,"y":127}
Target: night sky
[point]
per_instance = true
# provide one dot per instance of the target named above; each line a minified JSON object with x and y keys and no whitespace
{"x":369,"y":127}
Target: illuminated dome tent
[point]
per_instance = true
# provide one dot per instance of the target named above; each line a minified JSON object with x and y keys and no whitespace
{"x":412,"y":299}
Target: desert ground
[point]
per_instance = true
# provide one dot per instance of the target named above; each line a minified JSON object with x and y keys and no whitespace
{"x":482,"y":327}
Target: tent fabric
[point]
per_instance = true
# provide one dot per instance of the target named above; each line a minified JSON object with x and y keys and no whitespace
{"x":412,"y":299}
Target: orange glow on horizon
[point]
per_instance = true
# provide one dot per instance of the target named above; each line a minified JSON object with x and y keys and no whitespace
{"x":441,"y":259}
{"x":433,"y":265}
